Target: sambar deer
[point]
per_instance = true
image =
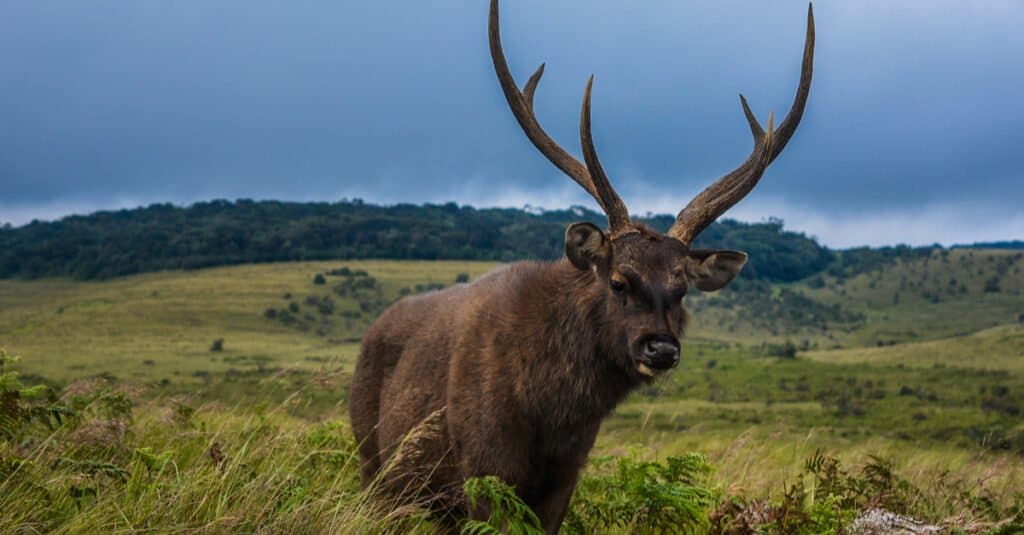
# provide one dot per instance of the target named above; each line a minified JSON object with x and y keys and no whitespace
{"x":512,"y":374}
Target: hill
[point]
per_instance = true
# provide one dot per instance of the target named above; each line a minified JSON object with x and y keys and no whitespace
{"x":162,"y":236}
{"x":1013,"y":244}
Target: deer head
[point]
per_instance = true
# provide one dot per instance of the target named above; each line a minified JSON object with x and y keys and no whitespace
{"x":643,"y":274}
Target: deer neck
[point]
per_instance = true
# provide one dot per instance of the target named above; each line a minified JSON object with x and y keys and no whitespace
{"x":582,"y":377}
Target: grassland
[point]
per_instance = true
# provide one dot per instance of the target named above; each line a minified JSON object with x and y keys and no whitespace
{"x":921,"y":363}
{"x":947,"y":294}
{"x":161,"y":325}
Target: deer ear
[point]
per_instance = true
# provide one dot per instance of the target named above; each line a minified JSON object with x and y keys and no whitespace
{"x":586,"y":246}
{"x":712,"y":269}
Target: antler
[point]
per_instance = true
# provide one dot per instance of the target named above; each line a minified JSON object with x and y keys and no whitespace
{"x":731,"y":188}
{"x":591,"y":176}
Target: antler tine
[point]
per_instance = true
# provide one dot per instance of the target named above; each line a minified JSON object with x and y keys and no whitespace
{"x":796,"y":112}
{"x":522,"y":108}
{"x":731,"y":188}
{"x":531,"y":87}
{"x":521,"y":104}
{"x":618,"y":215}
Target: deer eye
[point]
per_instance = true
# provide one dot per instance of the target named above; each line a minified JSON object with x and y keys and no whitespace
{"x":618,"y":286}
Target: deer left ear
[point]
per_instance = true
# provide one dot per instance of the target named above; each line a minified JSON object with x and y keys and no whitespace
{"x":586,"y":246}
{"x":712,"y":269}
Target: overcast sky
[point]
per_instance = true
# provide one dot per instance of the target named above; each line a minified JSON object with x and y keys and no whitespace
{"x":913,"y":132}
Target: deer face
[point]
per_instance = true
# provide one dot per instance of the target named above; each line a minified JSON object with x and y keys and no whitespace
{"x":644,"y":276}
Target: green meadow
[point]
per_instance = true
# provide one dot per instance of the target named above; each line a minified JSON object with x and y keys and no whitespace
{"x":214,"y":400}
{"x":161,"y":325}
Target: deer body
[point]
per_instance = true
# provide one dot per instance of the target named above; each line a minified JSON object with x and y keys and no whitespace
{"x":517,"y":323}
{"x":511,"y":375}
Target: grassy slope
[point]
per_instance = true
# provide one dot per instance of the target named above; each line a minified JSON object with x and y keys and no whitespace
{"x":937,"y":297}
{"x":996,"y":348}
{"x":66,"y":330}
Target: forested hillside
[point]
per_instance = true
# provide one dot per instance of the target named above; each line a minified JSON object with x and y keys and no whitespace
{"x":163,"y":236}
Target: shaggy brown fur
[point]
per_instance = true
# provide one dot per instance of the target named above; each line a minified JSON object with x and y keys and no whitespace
{"x":526,"y":361}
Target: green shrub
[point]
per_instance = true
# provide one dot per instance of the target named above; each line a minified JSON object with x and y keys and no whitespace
{"x":876,"y":485}
{"x":786,"y":350}
{"x":641,"y":496}
{"x":21,"y":405}
{"x":834,"y":498}
{"x":508,"y":512}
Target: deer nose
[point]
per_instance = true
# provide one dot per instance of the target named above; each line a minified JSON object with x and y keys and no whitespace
{"x":662,"y":353}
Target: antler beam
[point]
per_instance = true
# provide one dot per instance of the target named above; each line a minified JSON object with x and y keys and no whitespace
{"x":590,"y":176}
{"x":731,"y":188}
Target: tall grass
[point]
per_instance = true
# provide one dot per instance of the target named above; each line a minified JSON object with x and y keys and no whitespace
{"x":103,"y":457}
{"x":160,"y":466}
{"x":99,"y":456}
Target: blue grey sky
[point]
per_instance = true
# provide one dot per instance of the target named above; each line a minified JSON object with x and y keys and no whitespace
{"x":911,"y":135}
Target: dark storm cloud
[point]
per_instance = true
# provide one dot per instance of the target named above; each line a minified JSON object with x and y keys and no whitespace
{"x":915,"y":110}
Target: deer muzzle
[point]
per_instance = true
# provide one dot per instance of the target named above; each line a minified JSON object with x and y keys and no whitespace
{"x":657,"y":353}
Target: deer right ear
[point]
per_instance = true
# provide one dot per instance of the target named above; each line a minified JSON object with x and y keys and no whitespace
{"x":586,"y":246}
{"x":712,"y":269}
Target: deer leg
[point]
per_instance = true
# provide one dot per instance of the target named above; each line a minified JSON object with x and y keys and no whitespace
{"x":552,"y":508}
{"x":478,"y":460}
{"x":562,"y":475}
